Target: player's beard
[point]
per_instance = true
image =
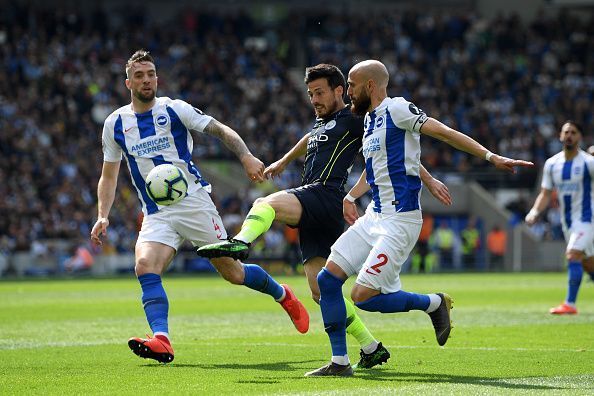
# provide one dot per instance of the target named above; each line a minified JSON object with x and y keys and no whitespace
{"x":361,"y":104}
{"x":145,"y":98}
{"x":325,"y":111}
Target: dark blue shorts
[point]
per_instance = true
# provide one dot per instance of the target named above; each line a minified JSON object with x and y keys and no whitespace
{"x":321,"y":222}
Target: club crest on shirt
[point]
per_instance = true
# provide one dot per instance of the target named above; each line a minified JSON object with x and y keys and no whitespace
{"x":162,"y":120}
{"x":331,"y":124}
{"x":381,"y":120}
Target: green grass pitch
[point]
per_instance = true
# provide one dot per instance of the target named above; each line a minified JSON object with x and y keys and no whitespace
{"x":69,"y":337}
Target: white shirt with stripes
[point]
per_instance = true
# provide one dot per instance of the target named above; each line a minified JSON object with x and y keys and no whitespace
{"x":158,"y":136}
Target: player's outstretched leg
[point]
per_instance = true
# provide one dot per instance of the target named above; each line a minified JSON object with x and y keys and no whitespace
{"x":372,"y":352}
{"x":257,"y":222}
{"x":295,"y":310}
{"x":256,"y":278}
{"x":438,"y":307}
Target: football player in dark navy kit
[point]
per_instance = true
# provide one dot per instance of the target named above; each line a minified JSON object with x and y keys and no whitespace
{"x":315,"y":208}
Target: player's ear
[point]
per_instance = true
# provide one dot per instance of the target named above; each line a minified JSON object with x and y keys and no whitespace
{"x":127,"y":83}
{"x":339,"y":91}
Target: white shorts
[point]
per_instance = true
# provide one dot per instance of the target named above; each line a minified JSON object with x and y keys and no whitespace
{"x":376,"y":246}
{"x":580,"y":237}
{"x":194,"y":218}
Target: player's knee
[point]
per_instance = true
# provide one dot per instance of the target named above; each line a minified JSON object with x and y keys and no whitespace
{"x":574,"y":255}
{"x":260,"y":201}
{"x":324,"y":279}
{"x":144,"y":266}
{"x":357,"y":296}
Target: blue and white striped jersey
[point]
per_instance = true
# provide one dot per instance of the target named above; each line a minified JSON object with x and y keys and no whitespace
{"x":573,"y":180}
{"x":158,"y":136}
{"x":392,"y":152}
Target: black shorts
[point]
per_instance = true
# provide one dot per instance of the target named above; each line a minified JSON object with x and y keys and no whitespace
{"x":321,"y":222}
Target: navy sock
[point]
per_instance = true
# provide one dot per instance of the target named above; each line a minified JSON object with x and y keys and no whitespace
{"x":399,"y":301}
{"x":154,"y":302}
{"x":591,"y":276}
{"x":258,"y":279}
{"x":574,"y":272}
{"x":333,"y":311}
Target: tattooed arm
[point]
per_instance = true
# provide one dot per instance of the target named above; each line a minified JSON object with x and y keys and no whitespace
{"x":231,"y":139}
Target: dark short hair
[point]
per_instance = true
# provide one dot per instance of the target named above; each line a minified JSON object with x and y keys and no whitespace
{"x":139,"y":56}
{"x":575,"y":124}
{"x":331,"y":73}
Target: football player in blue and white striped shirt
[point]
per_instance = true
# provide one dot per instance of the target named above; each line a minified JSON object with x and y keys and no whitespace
{"x":151,"y":131}
{"x":377,"y":244}
{"x":571,"y":172}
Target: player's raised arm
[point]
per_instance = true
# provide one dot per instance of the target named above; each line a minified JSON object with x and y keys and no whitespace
{"x":436,"y":188}
{"x":252,"y":165}
{"x":277,"y":167}
{"x":438,"y":130}
{"x":105,"y":196}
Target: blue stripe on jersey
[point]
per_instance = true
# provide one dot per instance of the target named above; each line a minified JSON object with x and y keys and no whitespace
{"x":406,"y":194}
{"x":371,"y":125}
{"x":146,"y":124}
{"x":159,"y":160}
{"x":137,"y":179}
{"x":180,"y":137}
{"x":566,"y":173}
{"x":377,"y":207}
{"x":587,"y":196}
{"x":567,"y":205}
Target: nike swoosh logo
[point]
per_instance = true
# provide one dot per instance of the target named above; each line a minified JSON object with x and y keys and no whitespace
{"x":126,"y":130}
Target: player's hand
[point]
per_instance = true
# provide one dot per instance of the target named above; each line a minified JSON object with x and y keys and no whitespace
{"x":508,"y":164}
{"x":275,"y":169}
{"x":531,"y":217}
{"x":253,"y":167}
{"x":439,"y":191}
{"x":99,"y":229}
{"x":349,"y":211}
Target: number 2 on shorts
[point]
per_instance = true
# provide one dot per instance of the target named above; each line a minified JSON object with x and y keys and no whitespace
{"x":383,"y":260}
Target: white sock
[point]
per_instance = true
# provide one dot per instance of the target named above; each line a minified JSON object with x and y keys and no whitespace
{"x":434,"y":301}
{"x":342,"y":360}
{"x":283,"y":296}
{"x":370,"y":348}
{"x":162,"y":333}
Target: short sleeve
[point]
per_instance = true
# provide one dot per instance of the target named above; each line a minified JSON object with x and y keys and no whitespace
{"x":547,"y":176}
{"x":112,"y":152}
{"x":193,"y":118}
{"x":406,"y":115}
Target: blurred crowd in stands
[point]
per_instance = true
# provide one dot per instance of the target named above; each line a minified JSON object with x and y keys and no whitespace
{"x":509,"y":83}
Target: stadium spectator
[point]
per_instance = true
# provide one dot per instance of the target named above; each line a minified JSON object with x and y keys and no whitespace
{"x":496,"y":245}
{"x":471,"y":243}
{"x":444,"y":240}
{"x":169,"y":124}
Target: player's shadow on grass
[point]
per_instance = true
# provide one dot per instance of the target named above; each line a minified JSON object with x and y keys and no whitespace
{"x":272,"y":366}
{"x":395,"y":375}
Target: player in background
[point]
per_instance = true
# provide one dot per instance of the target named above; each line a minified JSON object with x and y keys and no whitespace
{"x":315,"y":208}
{"x":571,"y":172}
{"x":377,"y":244}
{"x":154,"y":130}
